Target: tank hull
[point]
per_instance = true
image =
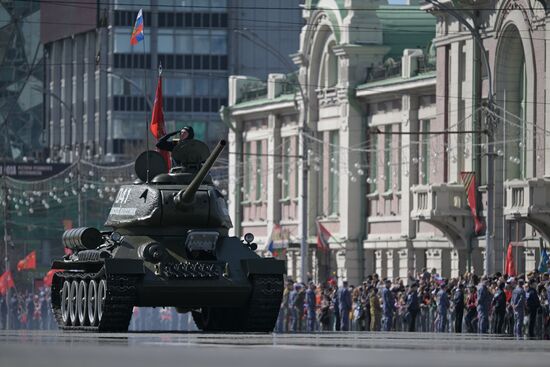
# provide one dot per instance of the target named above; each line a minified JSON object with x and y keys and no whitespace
{"x":223,"y":286}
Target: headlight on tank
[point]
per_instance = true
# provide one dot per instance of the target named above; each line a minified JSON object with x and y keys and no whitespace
{"x":201,"y":241}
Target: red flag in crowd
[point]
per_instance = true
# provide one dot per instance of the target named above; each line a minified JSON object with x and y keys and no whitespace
{"x":49,"y":277}
{"x":6,"y":282}
{"x":29,"y":262}
{"x":510,"y":267}
{"x":157,"y":121}
{"x":323,"y":236}
{"x":469,"y":180}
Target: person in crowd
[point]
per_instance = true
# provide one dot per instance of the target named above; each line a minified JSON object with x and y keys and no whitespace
{"x":365,"y":302}
{"x":412,"y":306}
{"x":458,"y":304}
{"x":533,"y":304}
{"x":442,"y":308}
{"x":344,"y":302}
{"x":284,"y":311}
{"x":375,"y":310}
{"x":311,"y":307}
{"x":518,"y":304}
{"x":471,"y":313}
{"x":484,"y":299}
{"x":499,"y":306}
{"x":296,"y":304}
{"x":388,"y":300}
{"x":335,"y":307}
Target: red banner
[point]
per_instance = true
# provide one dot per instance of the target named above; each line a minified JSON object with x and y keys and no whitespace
{"x":469,"y":181}
{"x":157,"y":122}
{"x":510,"y":267}
{"x":6,"y":282}
{"x":28,"y":263}
{"x":49,"y":277}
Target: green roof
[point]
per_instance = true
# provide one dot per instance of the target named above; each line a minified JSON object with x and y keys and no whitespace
{"x":264,"y":101}
{"x":396,"y":80}
{"x":405,"y":26}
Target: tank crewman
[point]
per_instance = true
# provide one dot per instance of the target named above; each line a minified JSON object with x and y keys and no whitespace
{"x":458,"y":302}
{"x":484,"y":299}
{"x":518,"y":304}
{"x":442,"y":307}
{"x":388,"y":306}
{"x":344,"y":301}
{"x":311,"y":304}
{"x":169,"y":145}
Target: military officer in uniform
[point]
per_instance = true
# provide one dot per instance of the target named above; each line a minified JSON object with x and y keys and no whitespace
{"x":442,"y":308}
{"x":518,"y":305}
{"x":484,"y":299}
{"x":388,"y":306}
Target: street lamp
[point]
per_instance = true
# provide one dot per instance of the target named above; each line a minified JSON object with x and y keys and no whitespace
{"x":302,"y":200}
{"x":491,"y":122}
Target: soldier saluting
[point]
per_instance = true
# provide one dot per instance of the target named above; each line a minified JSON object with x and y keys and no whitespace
{"x":186,"y":133}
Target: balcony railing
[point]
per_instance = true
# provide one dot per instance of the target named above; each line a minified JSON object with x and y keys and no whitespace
{"x":438,"y":200}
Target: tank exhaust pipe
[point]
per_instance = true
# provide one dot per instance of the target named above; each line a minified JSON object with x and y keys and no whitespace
{"x":186,"y":196}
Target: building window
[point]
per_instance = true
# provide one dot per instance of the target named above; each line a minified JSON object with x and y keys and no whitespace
{"x":285,"y":182}
{"x":247,"y":170}
{"x":259,"y":169}
{"x":334,"y":172}
{"x":399,"y":160}
{"x":388,"y":151}
{"x":425,"y":154}
{"x":373,"y":163}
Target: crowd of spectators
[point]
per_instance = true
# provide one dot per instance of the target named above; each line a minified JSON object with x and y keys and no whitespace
{"x":425,"y":301}
{"x":498,"y":304}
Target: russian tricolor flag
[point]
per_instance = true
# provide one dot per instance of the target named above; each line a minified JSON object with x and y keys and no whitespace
{"x":137,"y":33}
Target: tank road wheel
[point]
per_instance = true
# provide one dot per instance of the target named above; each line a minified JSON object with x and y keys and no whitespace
{"x":92,"y":303}
{"x":82,"y":302}
{"x":65,"y":303}
{"x":101,"y":297}
{"x":73,"y":313}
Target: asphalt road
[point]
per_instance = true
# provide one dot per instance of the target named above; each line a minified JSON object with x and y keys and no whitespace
{"x":60,"y":349}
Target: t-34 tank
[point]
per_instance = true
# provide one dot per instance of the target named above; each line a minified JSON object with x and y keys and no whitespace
{"x":168,"y":246}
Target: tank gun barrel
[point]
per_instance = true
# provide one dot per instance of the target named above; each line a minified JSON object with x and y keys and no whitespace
{"x":186,"y":196}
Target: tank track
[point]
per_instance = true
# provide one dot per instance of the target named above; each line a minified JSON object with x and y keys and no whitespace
{"x":264,"y":304}
{"x":259,"y":315}
{"x":119,"y":302}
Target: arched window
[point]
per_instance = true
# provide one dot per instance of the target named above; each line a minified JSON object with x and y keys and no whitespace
{"x":328,"y":76}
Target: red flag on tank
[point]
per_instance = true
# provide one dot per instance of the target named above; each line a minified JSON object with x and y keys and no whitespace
{"x":28,"y":263}
{"x":157,"y":121}
{"x":469,"y":181}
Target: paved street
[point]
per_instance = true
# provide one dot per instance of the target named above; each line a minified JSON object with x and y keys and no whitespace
{"x":41,"y":348}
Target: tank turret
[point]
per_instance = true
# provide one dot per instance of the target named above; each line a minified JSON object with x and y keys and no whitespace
{"x":167,"y":244}
{"x":187,"y":195}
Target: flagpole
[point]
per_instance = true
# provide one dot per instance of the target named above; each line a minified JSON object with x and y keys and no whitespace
{"x":145,"y":105}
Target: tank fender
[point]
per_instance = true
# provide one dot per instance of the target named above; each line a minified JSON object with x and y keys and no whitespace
{"x":263,"y":266}
{"x":124,"y":266}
